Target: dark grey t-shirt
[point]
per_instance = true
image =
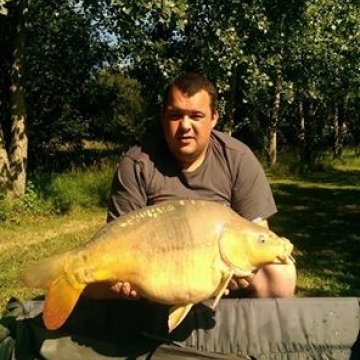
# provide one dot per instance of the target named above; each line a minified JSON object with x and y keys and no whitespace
{"x":230,"y":174}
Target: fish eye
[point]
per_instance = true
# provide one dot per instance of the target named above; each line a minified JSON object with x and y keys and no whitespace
{"x":261,"y":239}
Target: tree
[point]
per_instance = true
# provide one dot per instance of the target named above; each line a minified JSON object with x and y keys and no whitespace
{"x":13,"y":153}
{"x":4,"y":99}
{"x":124,"y":118}
{"x":325,"y":74}
{"x":285,"y":74}
{"x":63,"y":59}
{"x":48,"y":84}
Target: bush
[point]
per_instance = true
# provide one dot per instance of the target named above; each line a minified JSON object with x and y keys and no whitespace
{"x":89,"y":188}
{"x":60,"y":193}
{"x":32,"y":203}
{"x":4,"y":208}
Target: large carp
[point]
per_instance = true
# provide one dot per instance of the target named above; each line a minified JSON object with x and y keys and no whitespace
{"x":178,"y":252}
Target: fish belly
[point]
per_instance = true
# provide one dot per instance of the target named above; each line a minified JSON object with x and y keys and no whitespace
{"x":178,"y":278}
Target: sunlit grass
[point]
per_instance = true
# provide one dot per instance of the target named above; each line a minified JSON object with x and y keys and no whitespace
{"x":37,"y":238}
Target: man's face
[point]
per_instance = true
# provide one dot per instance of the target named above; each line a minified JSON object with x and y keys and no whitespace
{"x":187,"y":124}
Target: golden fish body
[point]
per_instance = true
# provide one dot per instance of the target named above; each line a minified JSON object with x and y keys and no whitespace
{"x":178,"y":252}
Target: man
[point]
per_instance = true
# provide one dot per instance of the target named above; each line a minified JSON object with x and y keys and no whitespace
{"x":194,"y":161}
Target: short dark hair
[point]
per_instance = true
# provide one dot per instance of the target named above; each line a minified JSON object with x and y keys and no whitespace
{"x":190,"y":84}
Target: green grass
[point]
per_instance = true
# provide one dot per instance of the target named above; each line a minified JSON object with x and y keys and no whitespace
{"x":36,"y":238}
{"x":319,"y":212}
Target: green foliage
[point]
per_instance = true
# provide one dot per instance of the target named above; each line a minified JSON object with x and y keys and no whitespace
{"x":124,"y":118}
{"x":304,"y":54}
{"x":60,"y":193}
{"x":292,"y":165}
{"x":32,"y":203}
{"x":80,"y":189}
{"x":64,"y":50}
{"x":4,"y":207}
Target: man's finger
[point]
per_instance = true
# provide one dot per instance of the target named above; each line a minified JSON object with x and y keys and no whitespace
{"x":134,"y":295}
{"x":126,"y":289}
{"x":233,"y":284}
{"x":117,"y":287}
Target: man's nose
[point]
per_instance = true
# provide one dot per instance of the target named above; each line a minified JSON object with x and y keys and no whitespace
{"x":185,"y":122}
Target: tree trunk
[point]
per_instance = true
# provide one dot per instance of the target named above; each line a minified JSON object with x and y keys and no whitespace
{"x":19,"y":140}
{"x":336,"y":145}
{"x":301,"y":135}
{"x":5,"y":184}
{"x":340,"y":129}
{"x":272,"y":147}
{"x":304,"y":136}
{"x":275,"y":115}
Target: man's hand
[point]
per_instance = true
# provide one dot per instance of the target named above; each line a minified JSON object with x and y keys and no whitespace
{"x":105,"y":290}
{"x":237,"y":283}
{"x":124,"y":291}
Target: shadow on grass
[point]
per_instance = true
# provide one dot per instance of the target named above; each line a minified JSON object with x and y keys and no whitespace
{"x":336,"y":177}
{"x":321,"y":216}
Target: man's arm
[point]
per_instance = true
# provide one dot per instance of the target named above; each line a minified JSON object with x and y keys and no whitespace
{"x":127,"y":188}
{"x":251,"y":197}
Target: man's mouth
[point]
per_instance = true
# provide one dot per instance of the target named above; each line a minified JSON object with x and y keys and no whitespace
{"x":185,"y":138}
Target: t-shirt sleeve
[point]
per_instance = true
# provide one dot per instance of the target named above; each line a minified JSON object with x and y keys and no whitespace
{"x":127,"y":189}
{"x":252,"y":197}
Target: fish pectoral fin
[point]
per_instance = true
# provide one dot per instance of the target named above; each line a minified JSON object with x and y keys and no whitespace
{"x":60,"y":301}
{"x":177,"y":314}
{"x":222,"y":288}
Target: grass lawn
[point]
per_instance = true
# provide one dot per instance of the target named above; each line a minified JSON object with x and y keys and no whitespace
{"x":320,"y":214}
{"x":36,"y":238}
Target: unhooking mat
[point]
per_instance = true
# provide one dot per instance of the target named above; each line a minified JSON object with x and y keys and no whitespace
{"x":257,"y":329}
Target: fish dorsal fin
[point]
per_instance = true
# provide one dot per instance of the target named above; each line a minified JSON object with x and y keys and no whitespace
{"x":60,"y":301}
{"x":177,"y":314}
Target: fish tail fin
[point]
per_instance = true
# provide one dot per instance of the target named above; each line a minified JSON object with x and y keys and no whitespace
{"x":62,"y":294}
{"x":60,"y":302}
{"x":42,"y":274}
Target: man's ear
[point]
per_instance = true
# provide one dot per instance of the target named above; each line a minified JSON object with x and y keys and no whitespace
{"x":215,"y":118}
{"x":161,"y":114}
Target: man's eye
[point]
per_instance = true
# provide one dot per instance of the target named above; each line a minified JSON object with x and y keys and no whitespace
{"x":197,"y":117}
{"x":174,"y":116}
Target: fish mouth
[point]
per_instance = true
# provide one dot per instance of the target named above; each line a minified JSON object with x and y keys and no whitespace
{"x":285,"y":259}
